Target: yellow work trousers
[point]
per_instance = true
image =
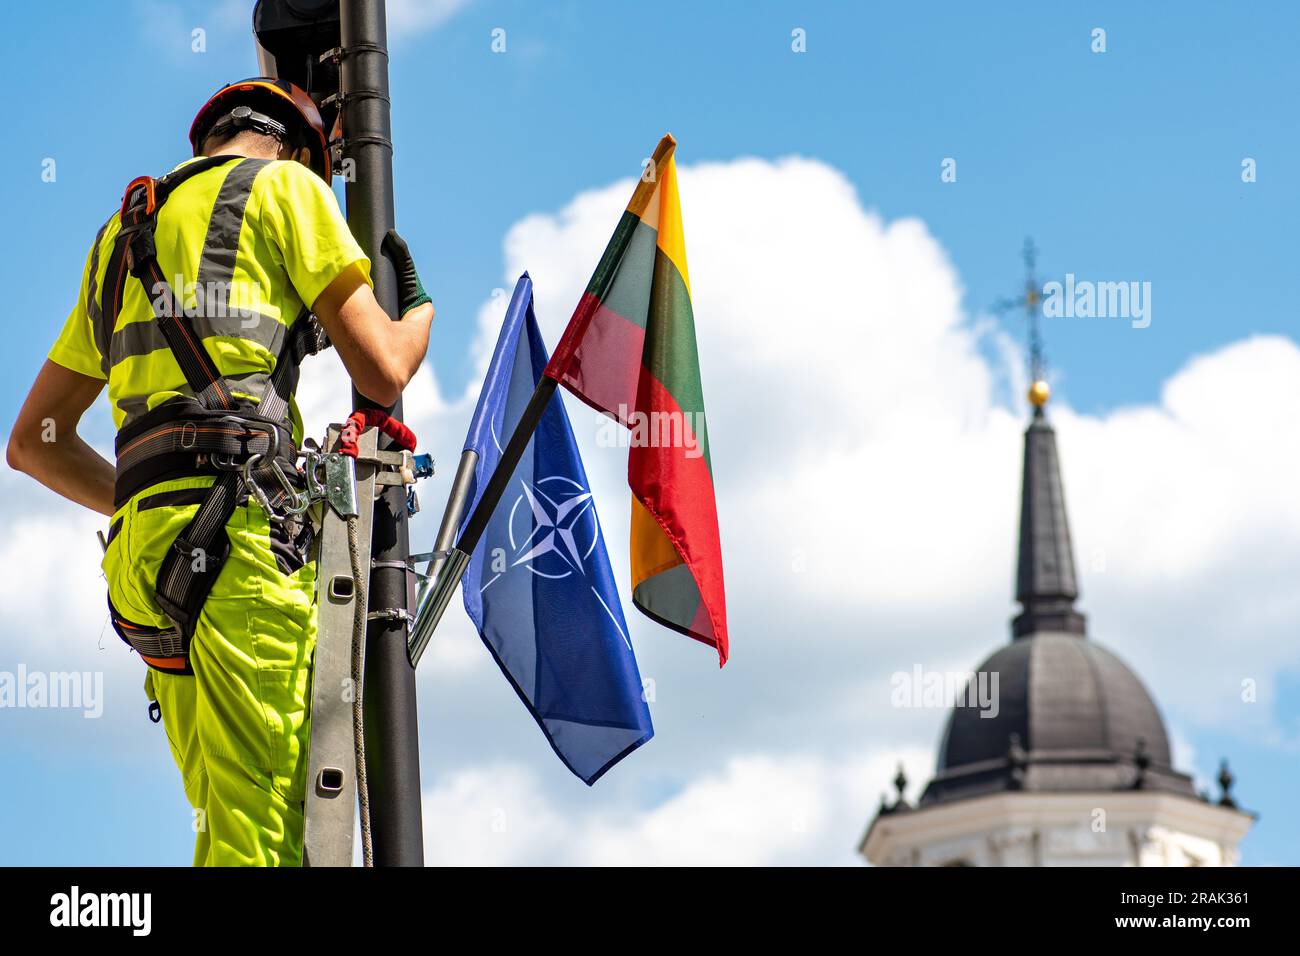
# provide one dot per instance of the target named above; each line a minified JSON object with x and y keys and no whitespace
{"x":238,"y":726}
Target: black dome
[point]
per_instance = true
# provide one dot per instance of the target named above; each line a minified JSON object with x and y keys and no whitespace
{"x":1070,"y":716}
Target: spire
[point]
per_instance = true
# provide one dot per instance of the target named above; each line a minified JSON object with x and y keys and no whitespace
{"x":1046,"y":586}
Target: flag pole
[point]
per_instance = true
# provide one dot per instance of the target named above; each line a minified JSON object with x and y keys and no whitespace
{"x":392,"y":733}
{"x":436,"y":599}
{"x":442,"y":546}
{"x":452,"y":515}
{"x":439,"y":595}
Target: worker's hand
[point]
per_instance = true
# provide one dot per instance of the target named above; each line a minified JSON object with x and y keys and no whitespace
{"x":410,"y":292}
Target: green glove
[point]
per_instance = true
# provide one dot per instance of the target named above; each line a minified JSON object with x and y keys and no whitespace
{"x":410,"y":292}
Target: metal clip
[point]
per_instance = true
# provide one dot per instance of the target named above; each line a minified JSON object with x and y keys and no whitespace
{"x":227,"y":462}
{"x":391,"y":614}
{"x":253,"y":487}
{"x":332,"y":477}
{"x":295,"y":503}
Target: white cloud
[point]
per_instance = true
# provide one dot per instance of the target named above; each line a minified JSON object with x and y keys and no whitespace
{"x":407,"y":17}
{"x":52,"y":562}
{"x":757,"y":809}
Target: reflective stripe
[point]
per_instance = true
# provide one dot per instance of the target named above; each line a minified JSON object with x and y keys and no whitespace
{"x":216,"y":273}
{"x":221,"y":246}
{"x":249,"y":384}
{"x":92,"y":303}
{"x":143,"y":338}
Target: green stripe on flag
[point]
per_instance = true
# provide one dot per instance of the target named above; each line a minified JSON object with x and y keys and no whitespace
{"x":670,"y":354}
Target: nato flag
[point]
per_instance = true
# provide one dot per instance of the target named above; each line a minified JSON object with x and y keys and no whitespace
{"x":539,"y":586}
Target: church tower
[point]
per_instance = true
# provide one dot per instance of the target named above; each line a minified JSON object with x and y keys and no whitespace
{"x":1074,"y":768}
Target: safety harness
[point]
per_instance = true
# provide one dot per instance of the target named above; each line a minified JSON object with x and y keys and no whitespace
{"x":247,"y":445}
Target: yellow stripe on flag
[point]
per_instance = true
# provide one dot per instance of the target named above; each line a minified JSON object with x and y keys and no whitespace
{"x":651,"y":551}
{"x":671,"y":240}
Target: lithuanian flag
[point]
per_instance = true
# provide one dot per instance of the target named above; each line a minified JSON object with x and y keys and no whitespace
{"x":629,"y":351}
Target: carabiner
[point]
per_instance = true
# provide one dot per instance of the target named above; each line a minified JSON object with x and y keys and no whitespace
{"x":296,"y":502}
{"x":253,"y":487}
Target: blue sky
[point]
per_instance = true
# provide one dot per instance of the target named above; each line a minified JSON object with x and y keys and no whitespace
{"x":1105,"y":158}
{"x":1124,"y":165}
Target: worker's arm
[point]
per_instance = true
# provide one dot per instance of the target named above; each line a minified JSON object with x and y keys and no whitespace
{"x":45,"y":443}
{"x":381,"y":355}
{"x":300,"y":217}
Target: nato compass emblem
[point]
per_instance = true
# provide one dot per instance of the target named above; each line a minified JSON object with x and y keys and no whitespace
{"x":553,"y":527}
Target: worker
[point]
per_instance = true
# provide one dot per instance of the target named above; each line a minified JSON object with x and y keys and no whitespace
{"x":199,"y":298}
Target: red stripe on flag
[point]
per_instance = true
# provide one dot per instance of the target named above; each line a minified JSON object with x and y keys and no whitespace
{"x":678,"y":492}
{"x":558,"y":366}
{"x":609,"y":382}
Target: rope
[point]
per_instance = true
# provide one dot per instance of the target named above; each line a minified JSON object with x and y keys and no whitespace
{"x":360,"y":603}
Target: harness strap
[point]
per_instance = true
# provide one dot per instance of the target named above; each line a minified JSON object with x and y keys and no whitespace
{"x":306,"y":337}
{"x":162,"y":648}
{"x":186,"y":446}
{"x":196,"y":365}
{"x":190,"y":568}
{"x":141,"y":200}
{"x":213,"y":432}
{"x":181,"y":438}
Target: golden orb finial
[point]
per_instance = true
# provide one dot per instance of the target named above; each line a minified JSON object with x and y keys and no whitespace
{"x":1039,"y":393}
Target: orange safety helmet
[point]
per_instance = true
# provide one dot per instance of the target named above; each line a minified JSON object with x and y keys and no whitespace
{"x":281,"y":100}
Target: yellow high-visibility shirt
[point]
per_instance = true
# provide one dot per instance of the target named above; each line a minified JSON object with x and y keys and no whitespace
{"x":245,"y":245}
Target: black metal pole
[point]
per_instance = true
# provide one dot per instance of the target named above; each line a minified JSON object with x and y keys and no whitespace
{"x":392,"y":737}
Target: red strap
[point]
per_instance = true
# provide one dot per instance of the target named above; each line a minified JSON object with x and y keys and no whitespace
{"x":364,"y":418}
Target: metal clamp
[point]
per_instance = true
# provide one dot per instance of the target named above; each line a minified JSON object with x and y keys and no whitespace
{"x":391,"y":614}
{"x":341,"y":98}
{"x":408,"y":566}
{"x":430,"y":555}
{"x":332,"y":477}
{"x":340,"y":145}
{"x":336,"y":54}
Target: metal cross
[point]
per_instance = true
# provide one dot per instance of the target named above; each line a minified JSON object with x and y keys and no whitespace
{"x":1031,"y":300}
